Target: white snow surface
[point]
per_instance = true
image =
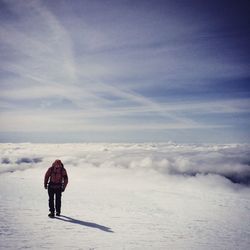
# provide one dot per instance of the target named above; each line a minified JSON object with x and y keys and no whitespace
{"x":127,"y":196}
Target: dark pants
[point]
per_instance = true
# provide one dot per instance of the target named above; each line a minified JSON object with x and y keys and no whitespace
{"x":52,"y":193}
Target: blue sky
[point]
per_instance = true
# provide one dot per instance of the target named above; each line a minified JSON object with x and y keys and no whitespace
{"x":124,"y":71}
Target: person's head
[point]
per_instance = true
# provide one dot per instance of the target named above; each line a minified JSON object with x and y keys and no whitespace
{"x":57,"y":164}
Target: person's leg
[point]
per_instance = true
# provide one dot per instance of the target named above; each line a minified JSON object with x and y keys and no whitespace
{"x":51,"y":193}
{"x":58,"y":201}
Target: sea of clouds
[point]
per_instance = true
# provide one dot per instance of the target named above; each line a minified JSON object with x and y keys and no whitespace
{"x":224,"y":163}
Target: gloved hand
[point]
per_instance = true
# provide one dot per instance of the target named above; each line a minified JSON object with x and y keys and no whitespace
{"x":63,"y":189}
{"x":45,"y":186}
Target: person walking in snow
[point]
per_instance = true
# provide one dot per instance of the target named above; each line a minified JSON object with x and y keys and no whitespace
{"x":55,"y":180}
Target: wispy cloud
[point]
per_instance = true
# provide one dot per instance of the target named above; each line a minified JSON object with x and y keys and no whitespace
{"x":89,"y":69}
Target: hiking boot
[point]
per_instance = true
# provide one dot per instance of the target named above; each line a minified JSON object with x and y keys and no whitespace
{"x":51,"y":215}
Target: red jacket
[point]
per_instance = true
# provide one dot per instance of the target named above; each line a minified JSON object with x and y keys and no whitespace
{"x":56,"y":177}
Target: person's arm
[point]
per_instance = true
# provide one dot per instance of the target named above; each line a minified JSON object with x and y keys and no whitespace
{"x":46,"y":177}
{"x":65,"y":179}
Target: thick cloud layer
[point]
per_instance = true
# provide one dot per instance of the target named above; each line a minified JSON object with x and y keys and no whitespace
{"x":223,"y":162}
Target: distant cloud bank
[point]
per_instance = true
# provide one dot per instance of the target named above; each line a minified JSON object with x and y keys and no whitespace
{"x":228,"y":163}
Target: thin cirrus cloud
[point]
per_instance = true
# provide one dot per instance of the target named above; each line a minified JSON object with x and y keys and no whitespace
{"x":119,"y":66}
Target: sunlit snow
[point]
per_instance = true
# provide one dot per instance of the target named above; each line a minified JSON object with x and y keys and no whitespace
{"x":127,"y":196}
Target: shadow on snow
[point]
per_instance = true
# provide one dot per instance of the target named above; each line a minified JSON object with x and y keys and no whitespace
{"x":84,"y":223}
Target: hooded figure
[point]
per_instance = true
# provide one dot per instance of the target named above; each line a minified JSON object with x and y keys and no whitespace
{"x":55,"y":180}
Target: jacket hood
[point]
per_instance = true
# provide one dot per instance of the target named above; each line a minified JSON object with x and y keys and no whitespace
{"x":57,"y":164}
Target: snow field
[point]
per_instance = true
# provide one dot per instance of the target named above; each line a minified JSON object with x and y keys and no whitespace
{"x":109,"y":206}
